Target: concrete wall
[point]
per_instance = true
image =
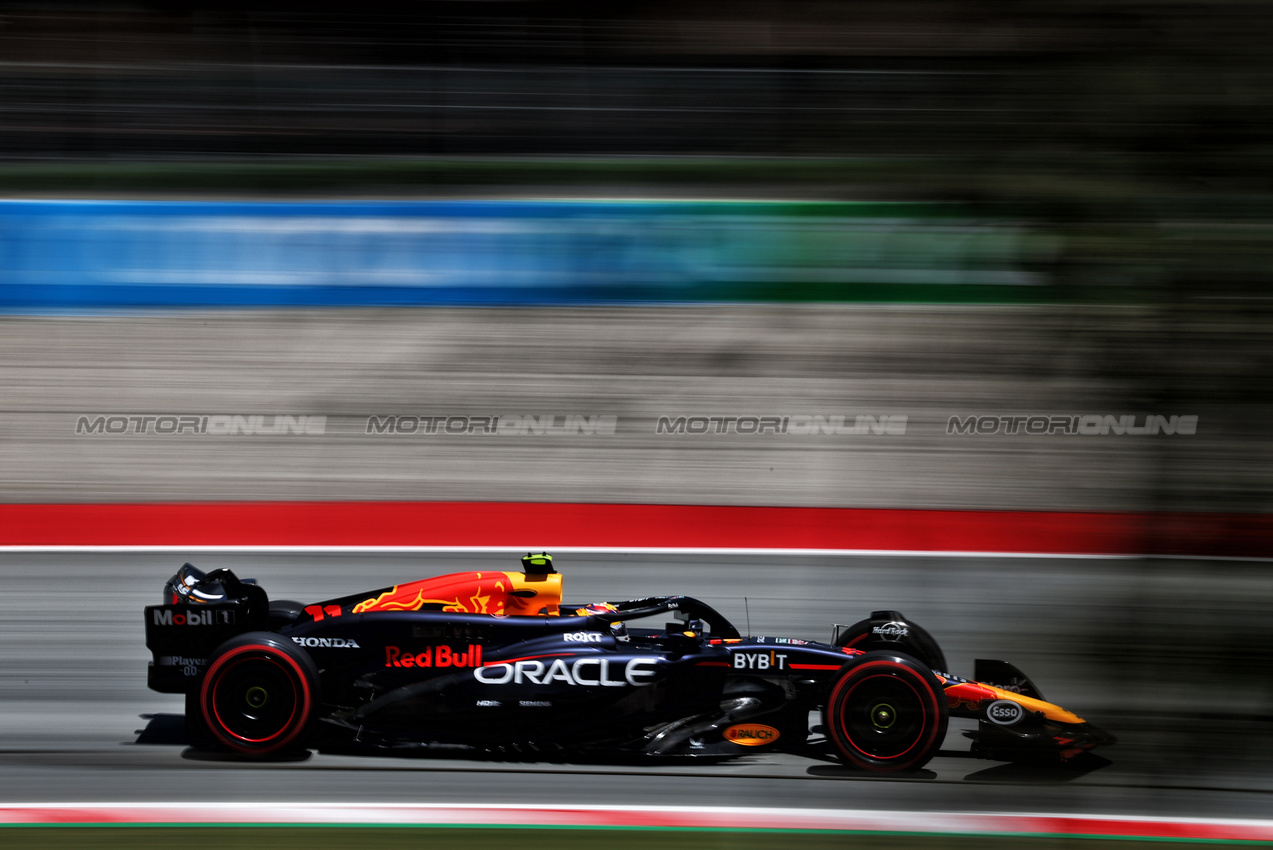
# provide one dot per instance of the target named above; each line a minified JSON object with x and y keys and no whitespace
{"x":637,"y":364}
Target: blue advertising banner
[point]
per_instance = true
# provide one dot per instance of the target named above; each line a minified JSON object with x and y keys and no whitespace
{"x":104,"y":255}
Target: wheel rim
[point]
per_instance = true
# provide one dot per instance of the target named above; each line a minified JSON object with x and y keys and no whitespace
{"x":255,"y":700}
{"x":885,"y":716}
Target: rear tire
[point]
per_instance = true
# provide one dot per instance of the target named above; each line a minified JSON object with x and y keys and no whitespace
{"x":886,"y":713}
{"x":258,"y":695}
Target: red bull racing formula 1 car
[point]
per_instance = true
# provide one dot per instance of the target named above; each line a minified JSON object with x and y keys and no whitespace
{"x":493,"y":662}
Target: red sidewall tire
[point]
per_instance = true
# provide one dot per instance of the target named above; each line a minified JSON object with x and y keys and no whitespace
{"x":886,"y":714}
{"x":258,"y":696}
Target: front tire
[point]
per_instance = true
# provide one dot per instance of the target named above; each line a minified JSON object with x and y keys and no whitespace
{"x":886,"y":713}
{"x":258,"y":695}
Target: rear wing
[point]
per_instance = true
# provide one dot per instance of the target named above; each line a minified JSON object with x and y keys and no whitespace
{"x":182,"y":634}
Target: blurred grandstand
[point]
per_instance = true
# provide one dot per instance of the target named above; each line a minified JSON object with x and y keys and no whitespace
{"x":1134,"y":136}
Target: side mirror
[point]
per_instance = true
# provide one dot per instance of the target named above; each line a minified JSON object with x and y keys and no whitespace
{"x":685,"y":637}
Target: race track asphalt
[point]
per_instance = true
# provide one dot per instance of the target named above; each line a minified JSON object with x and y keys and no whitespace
{"x":1113,"y":639}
